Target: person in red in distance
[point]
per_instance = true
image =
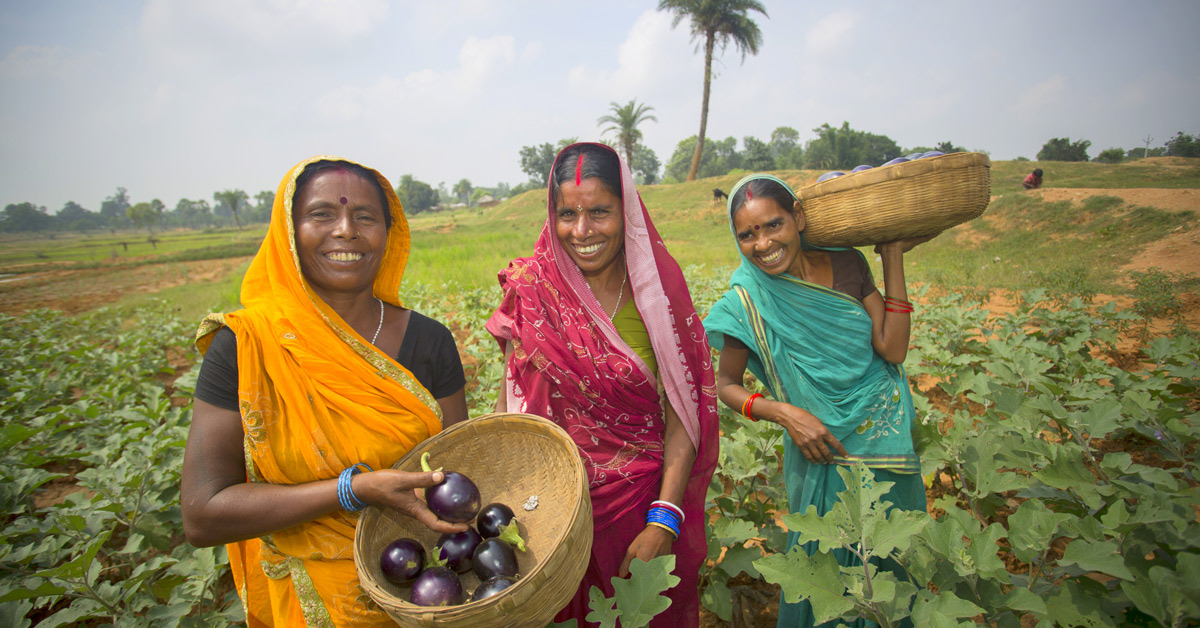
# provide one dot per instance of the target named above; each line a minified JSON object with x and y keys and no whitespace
{"x":1033,"y":180}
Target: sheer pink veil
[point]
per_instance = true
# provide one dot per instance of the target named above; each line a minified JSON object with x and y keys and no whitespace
{"x":676,"y":333}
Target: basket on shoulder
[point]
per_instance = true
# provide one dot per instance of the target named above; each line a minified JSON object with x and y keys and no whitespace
{"x":908,"y":197}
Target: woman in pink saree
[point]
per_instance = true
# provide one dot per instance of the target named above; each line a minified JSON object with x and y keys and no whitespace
{"x":600,"y":335}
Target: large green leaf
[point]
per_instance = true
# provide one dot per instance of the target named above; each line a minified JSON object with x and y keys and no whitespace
{"x":1031,"y":528}
{"x":817,"y":578}
{"x":638,"y":598}
{"x":1101,"y":556}
{"x":941,"y":610}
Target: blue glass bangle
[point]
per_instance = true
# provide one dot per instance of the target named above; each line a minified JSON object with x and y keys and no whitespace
{"x":665,"y":513}
{"x":346,"y":496}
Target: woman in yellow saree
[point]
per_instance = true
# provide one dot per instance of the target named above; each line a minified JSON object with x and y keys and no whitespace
{"x":330,"y":379}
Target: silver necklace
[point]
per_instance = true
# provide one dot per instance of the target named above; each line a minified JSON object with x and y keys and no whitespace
{"x":620,"y":293}
{"x":376,"y":336}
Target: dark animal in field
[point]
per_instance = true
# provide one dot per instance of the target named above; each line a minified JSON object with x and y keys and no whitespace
{"x":719,"y":194}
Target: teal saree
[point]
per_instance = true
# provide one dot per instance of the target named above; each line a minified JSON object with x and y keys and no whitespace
{"x":811,"y":347}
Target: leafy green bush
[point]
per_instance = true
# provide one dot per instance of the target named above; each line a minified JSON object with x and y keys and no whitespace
{"x":1111,"y":156}
{"x":1183,"y":145}
{"x":1062,"y":149}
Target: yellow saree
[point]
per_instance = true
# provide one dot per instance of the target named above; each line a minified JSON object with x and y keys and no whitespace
{"x":315,"y":398}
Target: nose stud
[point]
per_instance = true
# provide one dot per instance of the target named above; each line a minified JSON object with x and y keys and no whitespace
{"x":579,"y":207}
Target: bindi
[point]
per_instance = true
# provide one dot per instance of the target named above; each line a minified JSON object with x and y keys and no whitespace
{"x":757,"y":227}
{"x":343,"y":200}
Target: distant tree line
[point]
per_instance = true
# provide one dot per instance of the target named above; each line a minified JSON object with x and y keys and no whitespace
{"x":1063,"y":149}
{"x":118,"y":212}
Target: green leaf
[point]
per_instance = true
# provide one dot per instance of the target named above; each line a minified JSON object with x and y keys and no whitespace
{"x":44,"y":589}
{"x":897,"y":531}
{"x":13,"y":614}
{"x":740,"y":559}
{"x":1031,"y":528}
{"x":733,"y":531}
{"x":511,"y":534}
{"x":1101,"y":556}
{"x":78,"y":611}
{"x":1101,"y":417}
{"x":637,"y":598}
{"x":1068,"y":606}
{"x":1024,"y":600}
{"x":79,"y":566}
{"x":941,"y":610}
{"x":717,"y":598}
{"x":817,"y":578}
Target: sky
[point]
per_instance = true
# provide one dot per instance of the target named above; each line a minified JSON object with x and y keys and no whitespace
{"x":172,"y":99}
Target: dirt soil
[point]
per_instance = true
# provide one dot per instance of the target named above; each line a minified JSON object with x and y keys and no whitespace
{"x":74,"y":291}
{"x":1179,"y":252}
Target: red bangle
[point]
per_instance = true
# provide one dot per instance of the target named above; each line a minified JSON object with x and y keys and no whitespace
{"x":901,"y":303}
{"x":747,"y":404}
{"x":896,"y":310}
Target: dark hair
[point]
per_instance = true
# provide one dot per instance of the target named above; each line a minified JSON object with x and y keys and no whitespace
{"x":1037,"y":172}
{"x":326,"y":165}
{"x":598,"y":162}
{"x":760,"y":188}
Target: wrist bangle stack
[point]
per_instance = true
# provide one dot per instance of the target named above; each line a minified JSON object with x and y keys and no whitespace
{"x":747,"y":404}
{"x":669,"y":519}
{"x":346,"y":495}
{"x":900,"y":306}
{"x":672,"y":507}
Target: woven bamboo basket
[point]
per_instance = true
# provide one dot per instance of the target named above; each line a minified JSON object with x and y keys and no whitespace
{"x":509,"y":457}
{"x":905,"y":200}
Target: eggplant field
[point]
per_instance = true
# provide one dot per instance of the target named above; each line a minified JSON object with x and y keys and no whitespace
{"x":1060,"y":463}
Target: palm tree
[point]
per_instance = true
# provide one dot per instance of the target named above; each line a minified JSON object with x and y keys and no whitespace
{"x":717,"y":23}
{"x":624,"y":121}
{"x":233,"y":200}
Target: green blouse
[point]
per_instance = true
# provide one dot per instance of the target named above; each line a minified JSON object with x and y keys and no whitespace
{"x":633,"y":331}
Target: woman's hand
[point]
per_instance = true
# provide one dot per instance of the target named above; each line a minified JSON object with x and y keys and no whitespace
{"x":649,"y":544}
{"x":815,"y":440}
{"x":903,"y":246}
{"x":396,"y":489}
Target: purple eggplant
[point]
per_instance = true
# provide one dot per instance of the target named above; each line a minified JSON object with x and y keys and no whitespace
{"x":455,"y":499}
{"x":860,"y":168}
{"x":830,"y":175}
{"x":492,"y":519}
{"x":402,"y":561}
{"x":494,"y":558}
{"x":898,"y":160}
{"x":933,"y":153}
{"x":491,"y":587}
{"x":456,"y":548}
{"x":437,"y":586}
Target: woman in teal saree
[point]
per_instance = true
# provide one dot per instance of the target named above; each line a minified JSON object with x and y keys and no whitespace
{"x":811,"y":325}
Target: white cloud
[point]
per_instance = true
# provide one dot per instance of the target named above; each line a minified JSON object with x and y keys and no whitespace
{"x":480,"y":58}
{"x":426,"y":93}
{"x":651,"y":50}
{"x":830,"y":32}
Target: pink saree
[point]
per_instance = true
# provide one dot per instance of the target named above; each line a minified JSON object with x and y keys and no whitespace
{"x":569,"y":364}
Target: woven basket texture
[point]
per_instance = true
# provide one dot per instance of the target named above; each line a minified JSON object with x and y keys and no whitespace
{"x":905,"y":200}
{"x":509,"y":457}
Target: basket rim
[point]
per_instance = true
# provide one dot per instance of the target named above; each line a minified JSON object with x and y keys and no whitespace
{"x":941,"y":163}
{"x":400,"y":605}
